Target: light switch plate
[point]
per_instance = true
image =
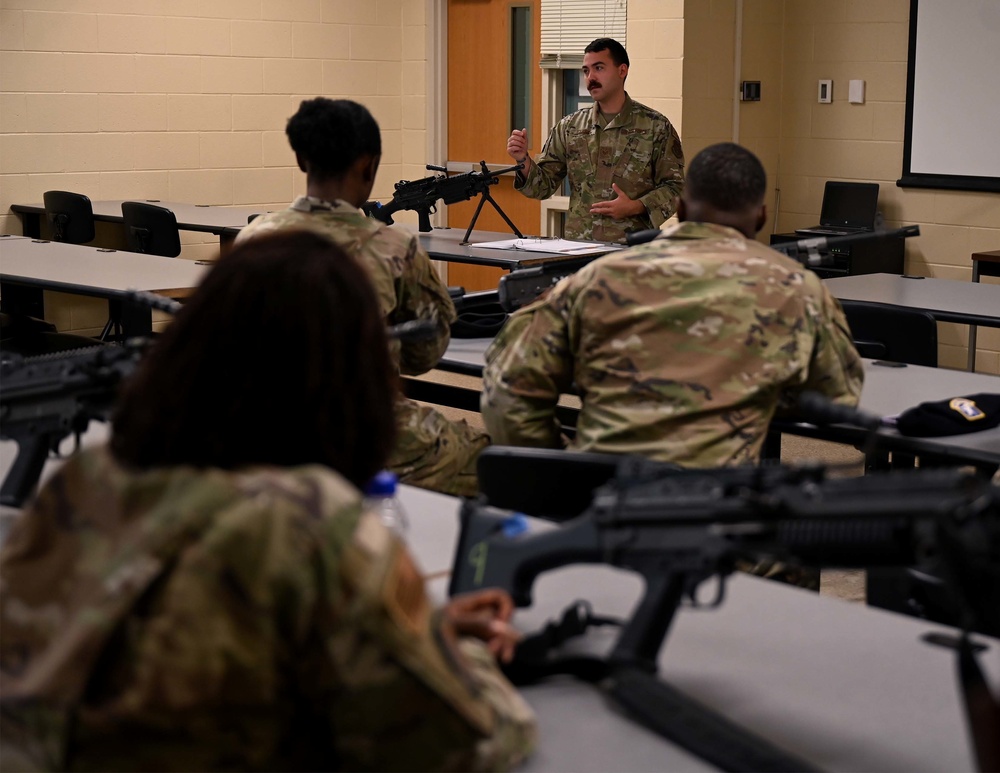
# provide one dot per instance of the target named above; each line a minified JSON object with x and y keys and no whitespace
{"x":825,"y":93}
{"x":856,"y":92}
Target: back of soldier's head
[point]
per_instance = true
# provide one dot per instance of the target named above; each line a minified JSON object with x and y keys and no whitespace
{"x":279,"y":358}
{"x":331,"y":134}
{"x":725,"y":177}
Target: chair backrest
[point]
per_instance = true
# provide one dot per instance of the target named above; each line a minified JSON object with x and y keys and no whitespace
{"x":885,"y":332}
{"x":151,"y":229}
{"x":71,"y":216}
{"x":543,"y":482}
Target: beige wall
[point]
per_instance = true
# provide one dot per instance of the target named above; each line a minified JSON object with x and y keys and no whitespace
{"x":185,"y":100}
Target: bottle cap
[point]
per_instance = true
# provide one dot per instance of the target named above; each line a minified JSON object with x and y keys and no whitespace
{"x":515,"y":525}
{"x":382,"y":485}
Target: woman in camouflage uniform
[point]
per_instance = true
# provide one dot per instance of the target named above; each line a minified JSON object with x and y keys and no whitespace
{"x":207,"y":593}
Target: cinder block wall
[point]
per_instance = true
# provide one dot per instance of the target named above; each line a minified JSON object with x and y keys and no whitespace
{"x":187,"y":101}
{"x":789,"y":45}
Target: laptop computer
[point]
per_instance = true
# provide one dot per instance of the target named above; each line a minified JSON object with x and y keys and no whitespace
{"x":847,"y":208}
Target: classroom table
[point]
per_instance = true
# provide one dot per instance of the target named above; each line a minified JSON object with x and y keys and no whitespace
{"x":446,"y":244}
{"x":944,"y":299}
{"x":226,"y":222}
{"x":887,"y":392}
{"x":102,"y":273}
{"x":843,"y":686}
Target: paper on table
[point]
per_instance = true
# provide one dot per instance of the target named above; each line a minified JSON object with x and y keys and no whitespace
{"x":562,"y":246}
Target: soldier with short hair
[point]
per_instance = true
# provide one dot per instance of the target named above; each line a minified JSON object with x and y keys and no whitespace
{"x":680,"y":349}
{"x":624,"y":160}
{"x":338,"y":145}
{"x":208,"y":592}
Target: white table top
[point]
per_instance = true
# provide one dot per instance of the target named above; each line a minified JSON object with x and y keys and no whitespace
{"x":78,"y":269}
{"x":945,"y":299}
{"x":841,"y":685}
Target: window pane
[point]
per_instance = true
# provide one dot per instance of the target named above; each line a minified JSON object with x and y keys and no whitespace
{"x":520,"y":67}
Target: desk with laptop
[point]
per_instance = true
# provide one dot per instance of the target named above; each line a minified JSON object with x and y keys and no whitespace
{"x":851,"y":208}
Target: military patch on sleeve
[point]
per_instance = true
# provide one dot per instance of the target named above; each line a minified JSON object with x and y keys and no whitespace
{"x":967,"y":409}
{"x":404,"y":596}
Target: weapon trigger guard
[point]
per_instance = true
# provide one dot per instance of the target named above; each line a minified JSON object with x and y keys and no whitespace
{"x":691,"y":591}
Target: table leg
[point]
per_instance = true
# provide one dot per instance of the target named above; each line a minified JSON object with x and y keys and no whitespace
{"x":972,"y":328}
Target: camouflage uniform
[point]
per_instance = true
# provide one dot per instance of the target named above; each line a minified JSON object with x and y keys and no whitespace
{"x":638,"y":149}
{"x":183,"y":619}
{"x":681,"y":350}
{"x":431,"y":451}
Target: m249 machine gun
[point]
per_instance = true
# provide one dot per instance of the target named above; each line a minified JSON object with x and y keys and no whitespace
{"x":421,"y":196}
{"x":678,"y":528}
{"x":521,"y":287}
{"x":46,"y":399}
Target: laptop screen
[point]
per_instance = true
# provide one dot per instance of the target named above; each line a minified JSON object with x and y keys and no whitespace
{"x":851,"y":205}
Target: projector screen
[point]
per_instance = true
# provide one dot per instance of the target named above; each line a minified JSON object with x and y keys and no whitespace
{"x":952,"y":136}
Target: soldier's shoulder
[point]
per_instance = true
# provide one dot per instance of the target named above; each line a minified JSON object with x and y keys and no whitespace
{"x":646,"y":113}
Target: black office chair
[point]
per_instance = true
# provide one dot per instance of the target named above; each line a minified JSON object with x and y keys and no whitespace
{"x":71,"y":216}
{"x":885,"y":332}
{"x":150,"y":229}
{"x":544,"y":482}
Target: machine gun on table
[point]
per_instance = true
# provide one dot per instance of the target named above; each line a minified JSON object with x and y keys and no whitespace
{"x":421,"y":196}
{"x":518,"y":288}
{"x":678,"y":528}
{"x":45,"y":399}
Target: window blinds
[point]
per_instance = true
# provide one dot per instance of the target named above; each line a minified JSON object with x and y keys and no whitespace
{"x":568,"y":27}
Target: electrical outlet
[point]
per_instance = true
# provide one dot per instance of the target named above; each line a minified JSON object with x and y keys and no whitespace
{"x":825,"y":91}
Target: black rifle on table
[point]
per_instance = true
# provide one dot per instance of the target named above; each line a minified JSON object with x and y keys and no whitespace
{"x":421,"y":196}
{"x":678,"y":528}
{"x":47,"y":398}
{"x":518,"y":288}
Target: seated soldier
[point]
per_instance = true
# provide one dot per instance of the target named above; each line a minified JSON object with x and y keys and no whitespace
{"x":207,"y":593}
{"x":338,"y":145}
{"x":681,"y":349}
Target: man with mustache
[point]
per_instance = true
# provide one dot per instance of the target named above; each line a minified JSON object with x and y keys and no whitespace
{"x":624,"y":160}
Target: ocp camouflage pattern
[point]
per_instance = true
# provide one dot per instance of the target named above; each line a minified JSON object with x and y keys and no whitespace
{"x":431,"y":451}
{"x":681,"y":350}
{"x":638,"y":149}
{"x":188,"y":619}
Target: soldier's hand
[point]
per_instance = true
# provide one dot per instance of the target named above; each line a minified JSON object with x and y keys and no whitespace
{"x":517,"y":146}
{"x":485,"y":615}
{"x":619,"y":207}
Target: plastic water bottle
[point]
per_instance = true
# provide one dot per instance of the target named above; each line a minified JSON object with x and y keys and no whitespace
{"x":382,"y":499}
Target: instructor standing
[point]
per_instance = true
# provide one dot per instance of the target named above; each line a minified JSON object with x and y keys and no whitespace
{"x":624,"y":160}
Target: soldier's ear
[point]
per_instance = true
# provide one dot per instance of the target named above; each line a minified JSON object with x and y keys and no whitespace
{"x":301,"y":162}
{"x":681,"y":210}
{"x":761,"y":217}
